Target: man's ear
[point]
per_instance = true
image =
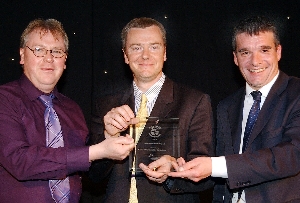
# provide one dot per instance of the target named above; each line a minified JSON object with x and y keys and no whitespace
{"x":125,"y":57}
{"x":278,"y":51}
{"x":235,"y":58}
{"x":22,"y":55}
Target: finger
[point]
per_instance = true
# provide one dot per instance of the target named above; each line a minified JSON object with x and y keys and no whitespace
{"x":129,"y":111}
{"x":119,"y":117}
{"x":127,"y":135}
{"x":124,"y":151}
{"x":125,"y":111}
{"x":162,"y":179}
{"x":155,"y":164}
{"x":111,"y":125}
{"x":179,"y":174}
{"x":124,"y":140}
{"x":188,"y":165}
{"x":153,"y":175}
{"x":195,"y":179}
{"x":134,"y":121}
{"x":119,"y":121}
{"x":112,"y":130}
{"x":160,"y":162}
{"x":175,"y":165}
{"x":145,"y":169}
{"x":108,"y":118}
{"x":180,"y":161}
{"x":151,"y":172}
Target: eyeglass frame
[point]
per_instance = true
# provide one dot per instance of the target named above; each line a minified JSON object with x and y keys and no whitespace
{"x":65,"y":53}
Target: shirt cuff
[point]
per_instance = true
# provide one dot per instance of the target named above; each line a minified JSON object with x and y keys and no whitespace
{"x":219,"y":167}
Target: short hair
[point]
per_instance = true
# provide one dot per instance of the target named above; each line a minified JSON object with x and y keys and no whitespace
{"x":253,"y":26}
{"x":52,"y":25}
{"x":142,"y":22}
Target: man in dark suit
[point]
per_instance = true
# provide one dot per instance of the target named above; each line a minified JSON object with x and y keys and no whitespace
{"x":262,"y":167}
{"x":144,"y":47}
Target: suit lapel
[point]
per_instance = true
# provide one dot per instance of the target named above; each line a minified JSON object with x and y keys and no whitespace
{"x":128,"y":98}
{"x":235,"y":116}
{"x":162,"y":105}
{"x":269,"y":105}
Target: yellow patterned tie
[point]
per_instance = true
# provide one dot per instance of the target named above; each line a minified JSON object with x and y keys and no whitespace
{"x":141,"y":114}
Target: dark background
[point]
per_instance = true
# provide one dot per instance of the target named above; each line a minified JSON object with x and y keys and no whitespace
{"x":199,"y":50}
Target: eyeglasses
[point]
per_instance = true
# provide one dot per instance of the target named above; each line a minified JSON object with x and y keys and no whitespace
{"x":136,"y":48}
{"x":41,"y":52}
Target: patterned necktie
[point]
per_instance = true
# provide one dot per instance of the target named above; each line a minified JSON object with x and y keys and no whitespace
{"x":254,"y":111}
{"x":60,"y":189}
{"x":253,"y":114}
{"x":141,"y":114}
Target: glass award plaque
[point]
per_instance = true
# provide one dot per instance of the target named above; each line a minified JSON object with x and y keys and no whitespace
{"x":159,"y":137}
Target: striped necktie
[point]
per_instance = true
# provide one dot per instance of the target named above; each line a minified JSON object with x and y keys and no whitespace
{"x":60,"y":189}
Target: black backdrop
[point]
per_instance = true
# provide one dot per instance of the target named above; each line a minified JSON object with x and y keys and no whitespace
{"x":198,"y":37}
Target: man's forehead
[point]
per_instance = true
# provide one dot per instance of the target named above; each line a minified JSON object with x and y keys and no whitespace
{"x":261,"y":37}
{"x":144,"y":37}
{"x":41,"y":33}
{"x":253,"y":35}
{"x":144,"y":28}
{"x":151,"y":30}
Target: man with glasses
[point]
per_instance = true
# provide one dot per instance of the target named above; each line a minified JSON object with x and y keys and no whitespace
{"x":42,"y":132}
{"x":41,"y":52}
{"x":144,"y":47}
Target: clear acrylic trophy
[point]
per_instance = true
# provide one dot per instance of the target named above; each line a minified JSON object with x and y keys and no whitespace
{"x":159,"y":137}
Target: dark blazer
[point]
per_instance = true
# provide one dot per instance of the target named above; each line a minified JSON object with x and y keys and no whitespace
{"x":193,"y":108}
{"x":268,"y":170}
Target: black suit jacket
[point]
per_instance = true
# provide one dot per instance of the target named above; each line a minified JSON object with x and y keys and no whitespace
{"x":193,"y":108}
{"x":268,"y":170}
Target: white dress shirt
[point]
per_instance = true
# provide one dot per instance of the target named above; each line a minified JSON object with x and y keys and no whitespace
{"x":151,"y":94}
{"x":219,"y":167}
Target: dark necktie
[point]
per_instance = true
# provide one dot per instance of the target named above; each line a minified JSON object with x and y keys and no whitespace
{"x":253,"y":114}
{"x":60,"y":189}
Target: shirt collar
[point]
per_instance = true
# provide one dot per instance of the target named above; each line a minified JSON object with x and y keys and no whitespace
{"x":264,"y":90}
{"x":31,"y":91}
{"x":152,"y":92}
